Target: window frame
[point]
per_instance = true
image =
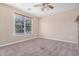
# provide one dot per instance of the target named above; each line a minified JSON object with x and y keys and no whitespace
{"x":20,"y":34}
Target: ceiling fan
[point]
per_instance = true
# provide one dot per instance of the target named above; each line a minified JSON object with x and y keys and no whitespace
{"x":44,"y":6}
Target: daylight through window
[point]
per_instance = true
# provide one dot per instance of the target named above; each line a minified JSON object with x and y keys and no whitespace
{"x":22,"y":24}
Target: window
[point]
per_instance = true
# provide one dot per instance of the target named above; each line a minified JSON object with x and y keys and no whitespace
{"x":22,"y":25}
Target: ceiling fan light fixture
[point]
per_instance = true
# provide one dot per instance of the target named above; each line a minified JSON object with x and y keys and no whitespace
{"x":45,"y":6}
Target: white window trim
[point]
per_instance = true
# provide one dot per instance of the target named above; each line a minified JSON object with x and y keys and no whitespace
{"x":17,"y":34}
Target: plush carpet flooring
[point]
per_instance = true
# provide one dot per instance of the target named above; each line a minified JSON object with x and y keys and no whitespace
{"x":40,"y":47}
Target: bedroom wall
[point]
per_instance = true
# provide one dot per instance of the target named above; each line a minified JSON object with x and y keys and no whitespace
{"x":60,"y":26}
{"x":6,"y":25}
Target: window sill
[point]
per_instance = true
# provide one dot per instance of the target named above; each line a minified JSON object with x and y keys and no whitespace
{"x":22,"y":34}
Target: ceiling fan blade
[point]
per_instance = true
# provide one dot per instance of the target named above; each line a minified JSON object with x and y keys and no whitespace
{"x":43,"y":4}
{"x":36,"y":5}
{"x":50,"y":6}
{"x":49,"y":3}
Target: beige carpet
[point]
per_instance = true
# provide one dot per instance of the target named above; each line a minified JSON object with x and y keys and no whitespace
{"x":40,"y":47}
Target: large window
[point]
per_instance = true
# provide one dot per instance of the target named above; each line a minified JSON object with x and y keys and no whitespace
{"x":23,"y":25}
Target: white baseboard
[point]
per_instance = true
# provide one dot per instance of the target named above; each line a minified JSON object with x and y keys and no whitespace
{"x":40,"y":36}
{"x":46,"y":37}
{"x":17,"y":41}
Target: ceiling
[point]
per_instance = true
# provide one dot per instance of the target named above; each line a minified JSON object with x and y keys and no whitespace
{"x":58,"y":7}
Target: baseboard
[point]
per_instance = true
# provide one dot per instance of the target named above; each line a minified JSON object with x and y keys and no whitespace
{"x":17,"y":41}
{"x":45,"y":37}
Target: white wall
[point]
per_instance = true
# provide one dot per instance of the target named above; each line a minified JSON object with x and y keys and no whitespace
{"x":60,"y":26}
{"x":56,"y":27}
{"x":6,"y":25}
